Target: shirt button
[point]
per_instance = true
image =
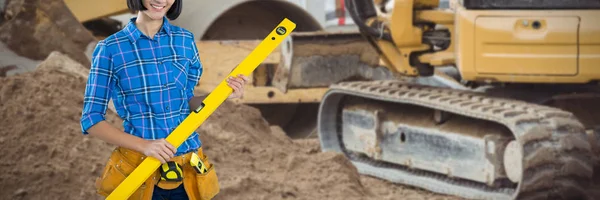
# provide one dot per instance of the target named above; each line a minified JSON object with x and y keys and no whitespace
{"x":165,"y":85}
{"x":167,"y":107}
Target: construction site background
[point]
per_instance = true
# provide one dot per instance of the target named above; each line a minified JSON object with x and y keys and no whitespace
{"x":43,"y":155}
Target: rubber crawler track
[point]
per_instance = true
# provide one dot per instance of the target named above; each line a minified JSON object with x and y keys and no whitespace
{"x":556,"y":156}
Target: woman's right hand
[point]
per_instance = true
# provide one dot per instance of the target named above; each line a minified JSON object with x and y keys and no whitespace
{"x":159,"y":149}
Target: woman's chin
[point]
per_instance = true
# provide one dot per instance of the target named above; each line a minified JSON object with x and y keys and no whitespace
{"x":155,"y":16}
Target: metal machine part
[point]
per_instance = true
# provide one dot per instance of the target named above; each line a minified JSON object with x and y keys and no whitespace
{"x":407,"y":135}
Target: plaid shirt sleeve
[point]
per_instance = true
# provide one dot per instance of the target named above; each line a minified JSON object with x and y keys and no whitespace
{"x":195,"y":71}
{"x":98,"y":88}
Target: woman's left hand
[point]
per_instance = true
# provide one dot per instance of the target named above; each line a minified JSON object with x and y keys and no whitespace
{"x":237,"y":84}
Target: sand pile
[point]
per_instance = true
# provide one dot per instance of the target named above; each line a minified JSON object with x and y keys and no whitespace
{"x":44,"y":156}
{"x":259,"y":161}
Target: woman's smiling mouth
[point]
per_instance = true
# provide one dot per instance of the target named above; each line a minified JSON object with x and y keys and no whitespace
{"x":157,"y":7}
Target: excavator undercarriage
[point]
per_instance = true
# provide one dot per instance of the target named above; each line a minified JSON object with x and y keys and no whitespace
{"x":457,"y":142}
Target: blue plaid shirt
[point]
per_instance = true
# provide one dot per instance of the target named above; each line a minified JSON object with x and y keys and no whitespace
{"x":150,"y":81}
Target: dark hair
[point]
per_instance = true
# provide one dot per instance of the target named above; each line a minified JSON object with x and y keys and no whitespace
{"x":172,"y":14}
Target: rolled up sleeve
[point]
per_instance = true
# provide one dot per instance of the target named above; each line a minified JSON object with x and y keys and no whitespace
{"x":98,"y":88}
{"x":194,"y":72}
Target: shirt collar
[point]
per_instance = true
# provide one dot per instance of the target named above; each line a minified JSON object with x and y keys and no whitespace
{"x":133,"y":33}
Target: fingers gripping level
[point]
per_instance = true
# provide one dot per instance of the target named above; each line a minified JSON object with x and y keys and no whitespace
{"x":208,"y":106}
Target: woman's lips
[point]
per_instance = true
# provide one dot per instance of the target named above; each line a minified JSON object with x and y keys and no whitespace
{"x":157,"y":7}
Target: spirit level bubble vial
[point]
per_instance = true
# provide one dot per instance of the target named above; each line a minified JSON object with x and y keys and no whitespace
{"x":209,"y":105}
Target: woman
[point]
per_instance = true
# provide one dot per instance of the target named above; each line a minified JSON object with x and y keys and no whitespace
{"x":149,"y":69}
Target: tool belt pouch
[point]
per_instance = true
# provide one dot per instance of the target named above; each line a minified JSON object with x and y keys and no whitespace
{"x":117,"y":168}
{"x":207,"y":181}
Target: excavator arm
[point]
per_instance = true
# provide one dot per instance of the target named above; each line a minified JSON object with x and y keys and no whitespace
{"x":407,"y":37}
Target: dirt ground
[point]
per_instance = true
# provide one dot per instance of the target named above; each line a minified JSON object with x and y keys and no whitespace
{"x":43,"y":155}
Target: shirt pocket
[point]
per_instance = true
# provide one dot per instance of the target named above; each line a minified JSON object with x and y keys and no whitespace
{"x":178,"y":73}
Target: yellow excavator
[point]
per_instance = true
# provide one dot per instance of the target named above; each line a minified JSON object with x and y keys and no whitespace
{"x":495,"y":99}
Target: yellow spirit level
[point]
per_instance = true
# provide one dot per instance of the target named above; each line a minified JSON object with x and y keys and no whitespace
{"x":207,"y":107}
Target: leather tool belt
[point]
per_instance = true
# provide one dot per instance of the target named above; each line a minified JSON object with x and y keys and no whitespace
{"x":198,"y":186}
